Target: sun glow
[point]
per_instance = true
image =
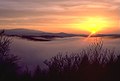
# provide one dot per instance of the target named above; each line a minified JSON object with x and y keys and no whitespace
{"x":94,"y":24}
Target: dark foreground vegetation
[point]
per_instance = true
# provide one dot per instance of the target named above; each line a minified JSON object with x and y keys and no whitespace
{"x":94,"y":63}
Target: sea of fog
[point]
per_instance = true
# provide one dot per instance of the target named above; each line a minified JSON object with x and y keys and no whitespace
{"x":32,"y":53}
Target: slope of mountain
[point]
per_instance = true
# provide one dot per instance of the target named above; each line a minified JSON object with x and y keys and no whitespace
{"x":36,"y":35}
{"x":33,"y":33}
{"x":26,"y":32}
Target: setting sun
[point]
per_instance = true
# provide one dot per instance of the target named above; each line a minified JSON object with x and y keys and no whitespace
{"x":94,"y":24}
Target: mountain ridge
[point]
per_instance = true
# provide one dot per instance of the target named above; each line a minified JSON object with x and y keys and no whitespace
{"x":30,"y":32}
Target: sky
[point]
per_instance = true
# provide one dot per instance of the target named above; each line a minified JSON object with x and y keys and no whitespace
{"x":59,"y":15}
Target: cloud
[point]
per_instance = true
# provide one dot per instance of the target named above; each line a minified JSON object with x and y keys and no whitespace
{"x":52,"y":11}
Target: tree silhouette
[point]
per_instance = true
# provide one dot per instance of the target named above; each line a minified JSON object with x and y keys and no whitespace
{"x":8,"y":62}
{"x":95,"y":63}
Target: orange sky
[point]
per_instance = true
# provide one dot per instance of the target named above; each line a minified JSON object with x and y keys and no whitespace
{"x":60,"y":15}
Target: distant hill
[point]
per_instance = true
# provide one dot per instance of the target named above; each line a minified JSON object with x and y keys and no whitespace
{"x":107,"y":35}
{"x":28,"y":32}
{"x":20,"y":32}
